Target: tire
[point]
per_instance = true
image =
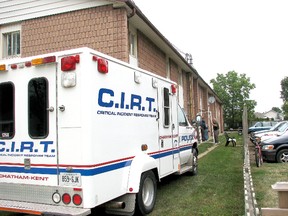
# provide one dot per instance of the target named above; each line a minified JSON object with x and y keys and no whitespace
{"x":257,"y":158}
{"x":282,"y":156}
{"x":146,"y":197}
{"x":194,"y":170}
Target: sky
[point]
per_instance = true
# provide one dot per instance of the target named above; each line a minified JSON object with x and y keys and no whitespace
{"x":246,"y":36}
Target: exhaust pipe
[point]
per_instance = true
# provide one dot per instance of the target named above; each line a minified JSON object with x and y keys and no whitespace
{"x":115,"y":205}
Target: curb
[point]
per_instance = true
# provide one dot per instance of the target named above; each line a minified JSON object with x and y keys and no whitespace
{"x":251,"y":207}
{"x":208,"y":150}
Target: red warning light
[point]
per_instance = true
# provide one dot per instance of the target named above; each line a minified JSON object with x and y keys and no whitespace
{"x":173,"y":89}
{"x":69,"y":63}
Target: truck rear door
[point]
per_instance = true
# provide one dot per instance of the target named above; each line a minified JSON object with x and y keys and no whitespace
{"x":28,"y":139}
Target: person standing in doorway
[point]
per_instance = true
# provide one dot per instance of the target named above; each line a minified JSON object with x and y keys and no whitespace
{"x":215,"y":125}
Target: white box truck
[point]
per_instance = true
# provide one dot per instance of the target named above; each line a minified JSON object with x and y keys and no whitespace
{"x":80,"y":129}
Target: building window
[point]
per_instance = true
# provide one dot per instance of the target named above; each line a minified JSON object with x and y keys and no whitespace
{"x":132,"y":39}
{"x":7,"y":109}
{"x":11,"y":42}
{"x":37,"y":107}
{"x":133,"y":46}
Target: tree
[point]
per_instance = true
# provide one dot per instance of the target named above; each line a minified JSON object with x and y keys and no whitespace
{"x":234,"y":90}
{"x":284,"y":96}
{"x":285,"y":110}
{"x":284,"y":89}
{"x":277,"y":109}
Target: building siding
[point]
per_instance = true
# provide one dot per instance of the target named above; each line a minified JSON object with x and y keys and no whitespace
{"x":20,"y":10}
{"x":101,"y":28}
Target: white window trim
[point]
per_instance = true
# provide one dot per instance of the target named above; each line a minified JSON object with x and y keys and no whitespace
{"x":7,"y":29}
{"x":133,"y":59}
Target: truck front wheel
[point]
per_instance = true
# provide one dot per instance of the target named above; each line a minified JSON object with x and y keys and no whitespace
{"x":146,"y":197}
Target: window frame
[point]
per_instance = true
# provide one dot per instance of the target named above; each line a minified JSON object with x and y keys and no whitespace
{"x":43,"y":114}
{"x":166,"y":107}
{"x":6,"y":31}
{"x":4,"y":135}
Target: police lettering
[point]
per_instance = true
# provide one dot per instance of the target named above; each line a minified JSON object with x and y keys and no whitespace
{"x":187,"y":138}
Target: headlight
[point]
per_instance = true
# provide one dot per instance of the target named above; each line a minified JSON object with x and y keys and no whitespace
{"x":267,"y":147}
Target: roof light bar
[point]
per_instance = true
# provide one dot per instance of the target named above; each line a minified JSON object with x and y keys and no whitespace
{"x":13,"y":66}
{"x":45,"y":60}
{"x":3,"y":67}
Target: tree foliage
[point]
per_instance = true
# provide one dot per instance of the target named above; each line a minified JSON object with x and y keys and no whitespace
{"x":234,"y":90}
{"x":285,"y":110}
{"x":277,"y":109}
{"x":284,"y":89}
{"x":284,"y":96}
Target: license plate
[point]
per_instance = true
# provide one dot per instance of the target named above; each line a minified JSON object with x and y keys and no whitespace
{"x":70,"y":179}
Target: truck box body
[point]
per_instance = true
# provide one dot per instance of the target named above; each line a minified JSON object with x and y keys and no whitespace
{"x":81,"y":122}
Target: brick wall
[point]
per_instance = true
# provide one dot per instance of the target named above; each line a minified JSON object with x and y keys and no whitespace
{"x":186,"y":92}
{"x":196,"y":96}
{"x":174,"y":75}
{"x":150,"y":57}
{"x":102,"y":28}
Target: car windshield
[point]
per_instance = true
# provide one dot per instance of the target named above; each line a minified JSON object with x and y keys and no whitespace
{"x":283,"y":127}
{"x":277,"y":126}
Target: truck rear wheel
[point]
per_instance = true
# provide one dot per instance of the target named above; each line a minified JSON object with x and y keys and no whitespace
{"x":146,"y":197}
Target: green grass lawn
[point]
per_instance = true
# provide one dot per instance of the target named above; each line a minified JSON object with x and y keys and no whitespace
{"x":265,"y":176}
{"x":216,"y":190}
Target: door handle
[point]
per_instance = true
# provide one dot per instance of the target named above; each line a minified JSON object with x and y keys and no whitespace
{"x":50,"y":109}
{"x":62,"y":108}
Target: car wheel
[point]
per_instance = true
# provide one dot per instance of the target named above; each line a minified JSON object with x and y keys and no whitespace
{"x":146,"y":197}
{"x":282,"y":156}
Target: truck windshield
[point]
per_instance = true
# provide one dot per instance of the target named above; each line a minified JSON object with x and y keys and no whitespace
{"x":7,"y":123}
{"x":37,"y":107}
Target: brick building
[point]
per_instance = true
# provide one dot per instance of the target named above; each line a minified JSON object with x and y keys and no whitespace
{"x":116,"y":28}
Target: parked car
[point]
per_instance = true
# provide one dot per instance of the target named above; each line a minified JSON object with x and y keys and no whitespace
{"x":281,"y":128}
{"x":261,"y":126}
{"x":255,"y":134}
{"x":276,"y":148}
